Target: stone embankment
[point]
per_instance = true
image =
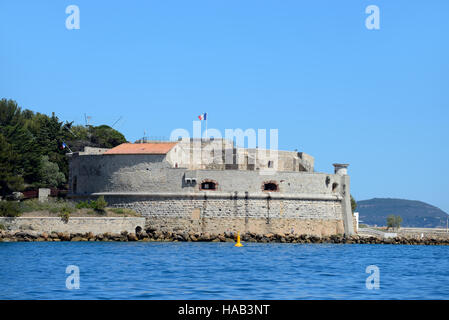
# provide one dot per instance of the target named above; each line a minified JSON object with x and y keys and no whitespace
{"x":154,"y":235}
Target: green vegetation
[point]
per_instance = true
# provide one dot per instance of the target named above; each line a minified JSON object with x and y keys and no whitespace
{"x":98,"y":205}
{"x":353,"y":204}
{"x":394,"y":221}
{"x":31,"y":152}
{"x":65,"y":214}
{"x":9,"y":209}
{"x":124,"y":211}
{"x":83,"y":205}
{"x":50,"y":174}
{"x":61,"y":207}
{"x":53,"y":206}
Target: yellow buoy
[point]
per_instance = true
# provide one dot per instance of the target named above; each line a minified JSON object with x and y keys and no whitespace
{"x":238,"y":244}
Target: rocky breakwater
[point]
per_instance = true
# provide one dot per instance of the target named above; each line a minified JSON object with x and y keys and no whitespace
{"x":160,"y":236}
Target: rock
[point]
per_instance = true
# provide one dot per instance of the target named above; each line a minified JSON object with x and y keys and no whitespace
{"x":158,"y":234}
{"x":28,"y":234}
{"x":142,"y":235}
{"x":115,"y":236}
{"x":65,"y":236}
{"x":229,"y":234}
{"x":152,"y":229}
{"x":179,"y":237}
{"x":132,"y":237}
{"x":90,"y":235}
{"x":185,"y":236}
{"x":77,"y":239}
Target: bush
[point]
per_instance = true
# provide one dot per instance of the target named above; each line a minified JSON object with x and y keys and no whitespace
{"x":125,"y":211}
{"x":65,"y":214}
{"x":118,"y":210}
{"x":99,"y":204}
{"x":83,"y":205}
{"x":53,"y":206}
{"x":9,"y":209}
{"x":2,"y":227}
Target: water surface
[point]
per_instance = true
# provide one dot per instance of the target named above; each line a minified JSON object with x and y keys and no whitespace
{"x":136,"y":270}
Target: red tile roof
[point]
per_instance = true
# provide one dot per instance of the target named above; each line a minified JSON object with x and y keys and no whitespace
{"x":142,"y":148}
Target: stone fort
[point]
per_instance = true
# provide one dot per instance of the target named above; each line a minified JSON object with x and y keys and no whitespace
{"x":212,"y":186}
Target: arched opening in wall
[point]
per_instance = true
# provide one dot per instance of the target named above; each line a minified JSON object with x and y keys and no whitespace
{"x":138,"y":229}
{"x":270,"y":164}
{"x":74,"y":184}
{"x":334,"y":187}
{"x":208,"y":185}
{"x":270,"y":186}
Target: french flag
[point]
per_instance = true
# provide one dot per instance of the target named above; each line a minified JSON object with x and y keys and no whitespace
{"x":203,"y":116}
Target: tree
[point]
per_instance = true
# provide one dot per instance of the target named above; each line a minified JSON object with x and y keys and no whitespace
{"x":394,"y":221}
{"x":398,"y":222}
{"x":27,"y":136}
{"x":10,"y":180}
{"x":50,"y":174}
{"x":353,"y":204}
{"x":106,"y":137}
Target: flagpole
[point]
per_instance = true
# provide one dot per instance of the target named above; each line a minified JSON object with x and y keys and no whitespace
{"x":206,"y":126}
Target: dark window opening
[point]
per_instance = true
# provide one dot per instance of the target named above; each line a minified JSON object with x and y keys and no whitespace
{"x":208,"y":185}
{"x":270,"y":164}
{"x":270,"y":186}
{"x":74,"y":184}
{"x":334,"y":187}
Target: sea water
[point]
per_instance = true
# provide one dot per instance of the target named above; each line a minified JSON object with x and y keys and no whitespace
{"x":172,"y":270}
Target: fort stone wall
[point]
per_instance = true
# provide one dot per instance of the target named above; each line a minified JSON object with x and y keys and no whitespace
{"x":219,"y":213}
{"x":173,"y":199}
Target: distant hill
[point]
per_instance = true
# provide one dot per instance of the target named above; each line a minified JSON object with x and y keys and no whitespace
{"x":414,"y":213}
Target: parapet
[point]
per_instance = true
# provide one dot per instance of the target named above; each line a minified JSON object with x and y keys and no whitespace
{"x":93,"y":151}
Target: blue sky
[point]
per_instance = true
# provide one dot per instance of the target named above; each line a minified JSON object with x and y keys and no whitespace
{"x":377,"y":99}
